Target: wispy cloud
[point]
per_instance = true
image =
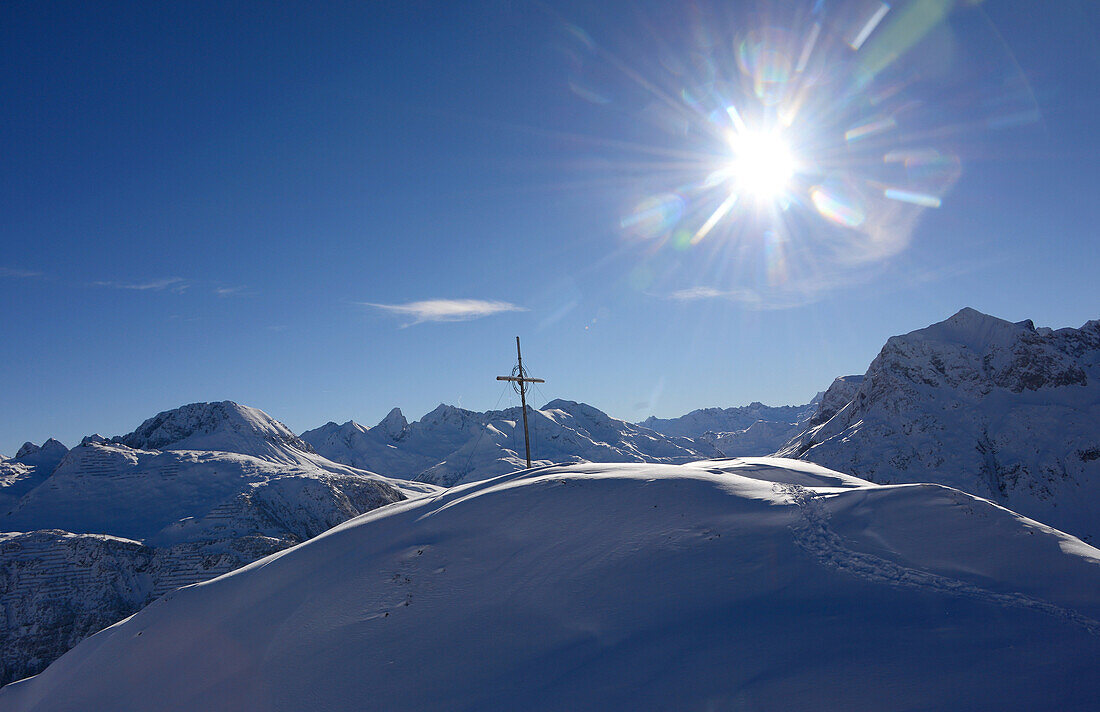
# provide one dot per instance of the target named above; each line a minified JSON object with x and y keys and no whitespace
{"x":696,"y":293}
{"x":446,"y":309}
{"x":232,"y":291}
{"x":19,"y":273}
{"x":175,"y":284}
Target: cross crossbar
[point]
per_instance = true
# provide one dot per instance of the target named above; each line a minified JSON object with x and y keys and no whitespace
{"x":520,"y":380}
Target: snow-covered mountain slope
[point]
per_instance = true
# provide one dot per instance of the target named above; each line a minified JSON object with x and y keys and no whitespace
{"x":729,"y":420}
{"x":194,"y":514}
{"x":451,"y":445}
{"x":1003,"y":410}
{"x":739,"y":584}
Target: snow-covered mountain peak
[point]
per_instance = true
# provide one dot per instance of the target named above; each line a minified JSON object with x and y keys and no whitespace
{"x":581,"y":411}
{"x":973,"y":329}
{"x":28,"y":448}
{"x":93,"y":439}
{"x":394,"y":424}
{"x":220,"y":427}
{"x":975,"y":353}
{"x":51,"y":449}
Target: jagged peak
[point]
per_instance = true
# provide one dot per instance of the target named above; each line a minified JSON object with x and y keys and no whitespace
{"x":394,"y":424}
{"x":94,"y":439}
{"x":28,"y":448}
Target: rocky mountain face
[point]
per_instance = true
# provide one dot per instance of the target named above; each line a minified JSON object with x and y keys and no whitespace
{"x":839,"y":394}
{"x":114,"y":526}
{"x":1005,"y":410}
{"x":451,"y":445}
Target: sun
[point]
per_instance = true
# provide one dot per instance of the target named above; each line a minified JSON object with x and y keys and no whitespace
{"x":762,"y":164}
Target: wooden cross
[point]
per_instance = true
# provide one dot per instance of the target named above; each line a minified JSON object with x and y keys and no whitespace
{"x":519,"y":381}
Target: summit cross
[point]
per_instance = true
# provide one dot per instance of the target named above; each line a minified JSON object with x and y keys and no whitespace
{"x":519,"y":381}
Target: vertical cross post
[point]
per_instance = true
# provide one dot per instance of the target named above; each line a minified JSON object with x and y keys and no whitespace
{"x":519,"y":381}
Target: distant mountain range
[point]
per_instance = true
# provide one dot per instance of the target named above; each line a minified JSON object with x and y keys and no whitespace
{"x":450,"y":445}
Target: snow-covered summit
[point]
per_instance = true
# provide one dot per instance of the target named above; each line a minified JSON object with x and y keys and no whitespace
{"x":1001,"y":409}
{"x":44,"y":456}
{"x":735,"y":584}
{"x":31,"y":465}
{"x":219,"y":427}
{"x":394,"y":424}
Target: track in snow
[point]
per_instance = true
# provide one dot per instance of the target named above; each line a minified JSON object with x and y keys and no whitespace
{"x":813,"y":534}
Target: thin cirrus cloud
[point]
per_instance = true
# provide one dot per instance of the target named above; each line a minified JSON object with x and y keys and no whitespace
{"x":175,"y":284}
{"x":240,"y":291}
{"x":19,"y":273}
{"x":696,"y":293}
{"x":445,"y":309}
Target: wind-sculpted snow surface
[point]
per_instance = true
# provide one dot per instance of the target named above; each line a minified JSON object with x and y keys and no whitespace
{"x":1003,"y":410}
{"x":760,"y":584}
{"x":451,"y":445}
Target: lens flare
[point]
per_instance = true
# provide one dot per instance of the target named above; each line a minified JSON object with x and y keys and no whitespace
{"x":785,"y":148}
{"x":762,"y":164}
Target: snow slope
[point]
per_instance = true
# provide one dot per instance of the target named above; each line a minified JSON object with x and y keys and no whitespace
{"x":756,"y":584}
{"x":452,"y":445}
{"x":1000,"y":409}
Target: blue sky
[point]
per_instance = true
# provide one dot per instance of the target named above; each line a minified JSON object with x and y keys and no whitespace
{"x":209,"y":201}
